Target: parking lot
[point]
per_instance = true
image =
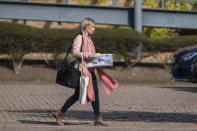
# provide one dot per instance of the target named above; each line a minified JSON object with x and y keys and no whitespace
{"x":166,"y":106}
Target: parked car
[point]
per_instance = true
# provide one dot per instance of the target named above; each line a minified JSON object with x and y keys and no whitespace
{"x":184,"y":64}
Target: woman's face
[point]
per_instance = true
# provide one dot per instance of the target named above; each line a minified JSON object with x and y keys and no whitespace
{"x":90,"y":29}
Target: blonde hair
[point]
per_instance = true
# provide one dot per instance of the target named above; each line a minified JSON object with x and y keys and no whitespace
{"x":86,"y":22}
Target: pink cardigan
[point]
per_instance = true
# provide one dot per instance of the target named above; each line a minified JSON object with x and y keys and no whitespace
{"x":107,"y":81}
{"x":76,"y":50}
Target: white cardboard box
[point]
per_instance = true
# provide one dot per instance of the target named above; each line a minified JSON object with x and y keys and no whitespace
{"x":101,"y":60}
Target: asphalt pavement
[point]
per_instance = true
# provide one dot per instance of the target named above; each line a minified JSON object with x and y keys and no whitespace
{"x":132,"y":107}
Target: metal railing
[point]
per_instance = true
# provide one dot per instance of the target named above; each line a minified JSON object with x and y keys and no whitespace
{"x":114,"y":2}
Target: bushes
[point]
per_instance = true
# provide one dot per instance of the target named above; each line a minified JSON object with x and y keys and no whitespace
{"x":121,"y":42}
{"x":18,"y":40}
{"x":170,"y":45}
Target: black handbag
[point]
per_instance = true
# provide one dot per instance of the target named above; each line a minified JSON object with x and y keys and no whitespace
{"x":67,"y":74}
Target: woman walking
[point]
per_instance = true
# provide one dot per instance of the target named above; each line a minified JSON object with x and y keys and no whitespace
{"x":88,"y":50}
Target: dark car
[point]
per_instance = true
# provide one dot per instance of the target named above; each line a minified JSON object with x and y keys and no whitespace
{"x":184,"y":64}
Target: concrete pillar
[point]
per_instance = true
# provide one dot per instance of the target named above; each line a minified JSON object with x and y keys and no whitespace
{"x":138,"y":25}
{"x":65,"y":1}
{"x":113,"y":2}
{"x":163,"y":4}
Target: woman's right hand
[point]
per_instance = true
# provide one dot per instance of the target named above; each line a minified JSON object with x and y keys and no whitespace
{"x":87,"y":55}
{"x":91,"y":55}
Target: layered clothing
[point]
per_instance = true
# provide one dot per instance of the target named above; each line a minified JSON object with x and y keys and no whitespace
{"x":107,"y":81}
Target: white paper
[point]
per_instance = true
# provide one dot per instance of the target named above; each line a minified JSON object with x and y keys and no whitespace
{"x":101,"y":60}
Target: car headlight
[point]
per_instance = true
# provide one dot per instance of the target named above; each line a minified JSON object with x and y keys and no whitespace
{"x":188,"y":57}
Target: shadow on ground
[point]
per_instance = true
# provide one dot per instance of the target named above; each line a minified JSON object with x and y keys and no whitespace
{"x":183,"y":88}
{"x":51,"y":123}
{"x":124,"y":116}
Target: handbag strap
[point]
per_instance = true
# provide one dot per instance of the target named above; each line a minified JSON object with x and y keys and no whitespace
{"x":70,"y":47}
{"x":82,"y":69}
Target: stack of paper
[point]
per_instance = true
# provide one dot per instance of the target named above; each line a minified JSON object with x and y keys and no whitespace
{"x":101,"y":60}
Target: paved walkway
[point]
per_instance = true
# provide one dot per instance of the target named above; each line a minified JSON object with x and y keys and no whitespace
{"x":129,"y":107}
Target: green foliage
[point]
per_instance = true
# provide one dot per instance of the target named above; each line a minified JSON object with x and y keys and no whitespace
{"x":121,"y":42}
{"x":18,"y":40}
{"x":181,"y":5}
{"x":169,"y":4}
{"x":170,"y":45}
{"x":119,"y":26}
{"x":194,"y":6}
{"x":98,"y":1}
{"x":159,"y":33}
{"x":164,"y":33}
{"x":185,"y":5}
{"x":151,"y":3}
{"x":92,"y":1}
{"x":83,"y":1}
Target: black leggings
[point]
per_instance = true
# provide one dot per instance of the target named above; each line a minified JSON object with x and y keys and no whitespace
{"x":75,"y":97}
